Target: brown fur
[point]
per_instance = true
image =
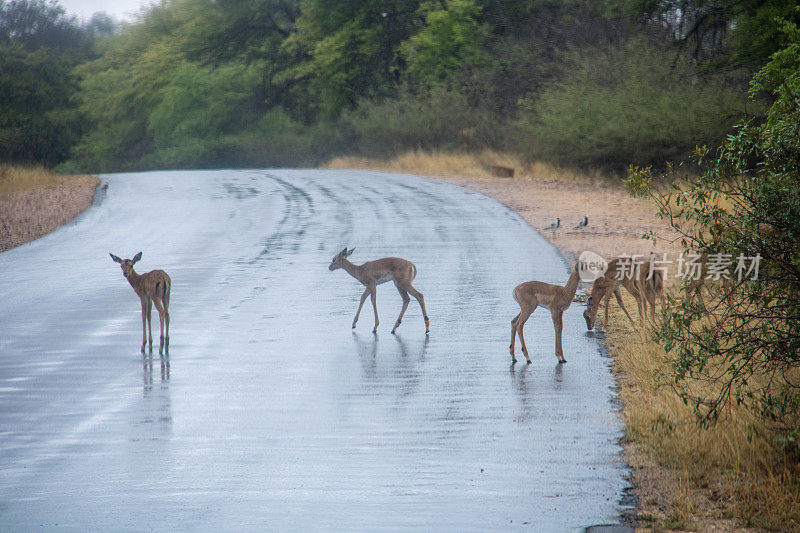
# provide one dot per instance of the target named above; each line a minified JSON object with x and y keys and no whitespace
{"x":152,"y":288}
{"x":373,"y":273}
{"x":643,"y":287}
{"x":529,"y":296}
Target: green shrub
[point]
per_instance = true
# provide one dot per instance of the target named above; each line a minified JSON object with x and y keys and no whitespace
{"x":428,"y":120}
{"x":630,"y":104}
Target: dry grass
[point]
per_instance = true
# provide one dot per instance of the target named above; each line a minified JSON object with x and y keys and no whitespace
{"x":466,"y":165}
{"x":35,"y":201}
{"x":698,"y":477}
{"x":15,"y":179}
{"x":731,"y":477}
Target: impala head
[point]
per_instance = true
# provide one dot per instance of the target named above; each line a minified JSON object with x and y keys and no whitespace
{"x":126,"y":264}
{"x":338,"y":259}
{"x":599,"y":288}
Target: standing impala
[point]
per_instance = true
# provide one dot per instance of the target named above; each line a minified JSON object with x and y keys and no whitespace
{"x":373,"y":273}
{"x":532,"y":294}
{"x":151,"y":288}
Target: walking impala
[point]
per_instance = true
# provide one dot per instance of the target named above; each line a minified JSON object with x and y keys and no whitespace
{"x":532,"y":294}
{"x":151,"y":288}
{"x":373,"y":273}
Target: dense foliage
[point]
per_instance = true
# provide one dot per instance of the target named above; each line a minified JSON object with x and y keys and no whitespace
{"x":741,"y":342}
{"x":204,"y":83}
{"x":39,"y":47}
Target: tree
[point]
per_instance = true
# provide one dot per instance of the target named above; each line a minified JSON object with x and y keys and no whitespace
{"x":39,"y":45}
{"x":629,"y":103}
{"x":727,"y":31}
{"x":741,"y":343}
{"x":346,"y":51}
{"x":452,"y":39}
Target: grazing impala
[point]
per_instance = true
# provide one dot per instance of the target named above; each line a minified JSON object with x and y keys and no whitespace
{"x":373,"y":273}
{"x":151,"y":288}
{"x":643,"y":286}
{"x":533,"y":294}
{"x":609,"y":285}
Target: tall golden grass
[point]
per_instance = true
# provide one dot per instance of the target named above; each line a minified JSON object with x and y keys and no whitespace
{"x":733,"y":469}
{"x":16,"y":178}
{"x":466,"y":164}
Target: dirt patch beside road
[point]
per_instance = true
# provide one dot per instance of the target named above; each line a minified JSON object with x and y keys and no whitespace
{"x":34,"y":202}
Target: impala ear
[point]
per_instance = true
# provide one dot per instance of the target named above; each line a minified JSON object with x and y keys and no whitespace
{"x":343,"y":253}
{"x":348,"y":254}
{"x":136,"y":258}
{"x":115,"y":258}
{"x":589,"y":302}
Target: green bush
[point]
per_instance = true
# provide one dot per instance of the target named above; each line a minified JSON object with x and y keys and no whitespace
{"x":630,"y":104}
{"x":428,"y":120}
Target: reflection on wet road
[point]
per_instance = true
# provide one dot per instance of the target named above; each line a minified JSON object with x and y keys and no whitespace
{"x":270,"y":412}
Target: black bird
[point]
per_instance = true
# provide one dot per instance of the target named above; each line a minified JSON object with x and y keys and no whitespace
{"x":554,"y":225}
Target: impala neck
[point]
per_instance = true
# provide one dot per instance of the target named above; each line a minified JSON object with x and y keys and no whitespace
{"x":133,"y":278}
{"x":350,"y":268}
{"x":572,"y":283}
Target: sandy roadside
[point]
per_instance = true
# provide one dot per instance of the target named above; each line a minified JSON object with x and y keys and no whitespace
{"x":616,"y":221}
{"x":26,"y":215}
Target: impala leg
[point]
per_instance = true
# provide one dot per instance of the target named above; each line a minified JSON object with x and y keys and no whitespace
{"x":513,"y":336}
{"x":372,"y":296}
{"x":150,"y":320}
{"x":406,"y":299}
{"x":643,"y":296}
{"x":651,"y":299}
{"x":166,"y":324}
{"x":640,"y":304}
{"x":523,"y":317}
{"x":606,"y":301}
{"x":618,"y":296}
{"x":160,"y":309}
{"x":418,"y":295}
{"x":558,"y":326}
{"x":360,"y":305}
{"x":144,"y":324}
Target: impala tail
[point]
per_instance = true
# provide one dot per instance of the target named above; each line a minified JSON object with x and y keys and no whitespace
{"x":163,"y":289}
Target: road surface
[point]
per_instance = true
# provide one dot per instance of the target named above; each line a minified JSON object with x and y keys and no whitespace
{"x":270,"y":413}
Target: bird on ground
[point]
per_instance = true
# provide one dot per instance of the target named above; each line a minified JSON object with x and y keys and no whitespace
{"x":583,"y":223}
{"x":554,"y":225}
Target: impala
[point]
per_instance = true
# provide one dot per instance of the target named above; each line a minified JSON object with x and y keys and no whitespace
{"x":644,"y":287}
{"x":533,"y":294}
{"x":151,"y":288}
{"x":373,"y":273}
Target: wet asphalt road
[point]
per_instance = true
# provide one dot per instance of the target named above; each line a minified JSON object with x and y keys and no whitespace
{"x":269,"y":412}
